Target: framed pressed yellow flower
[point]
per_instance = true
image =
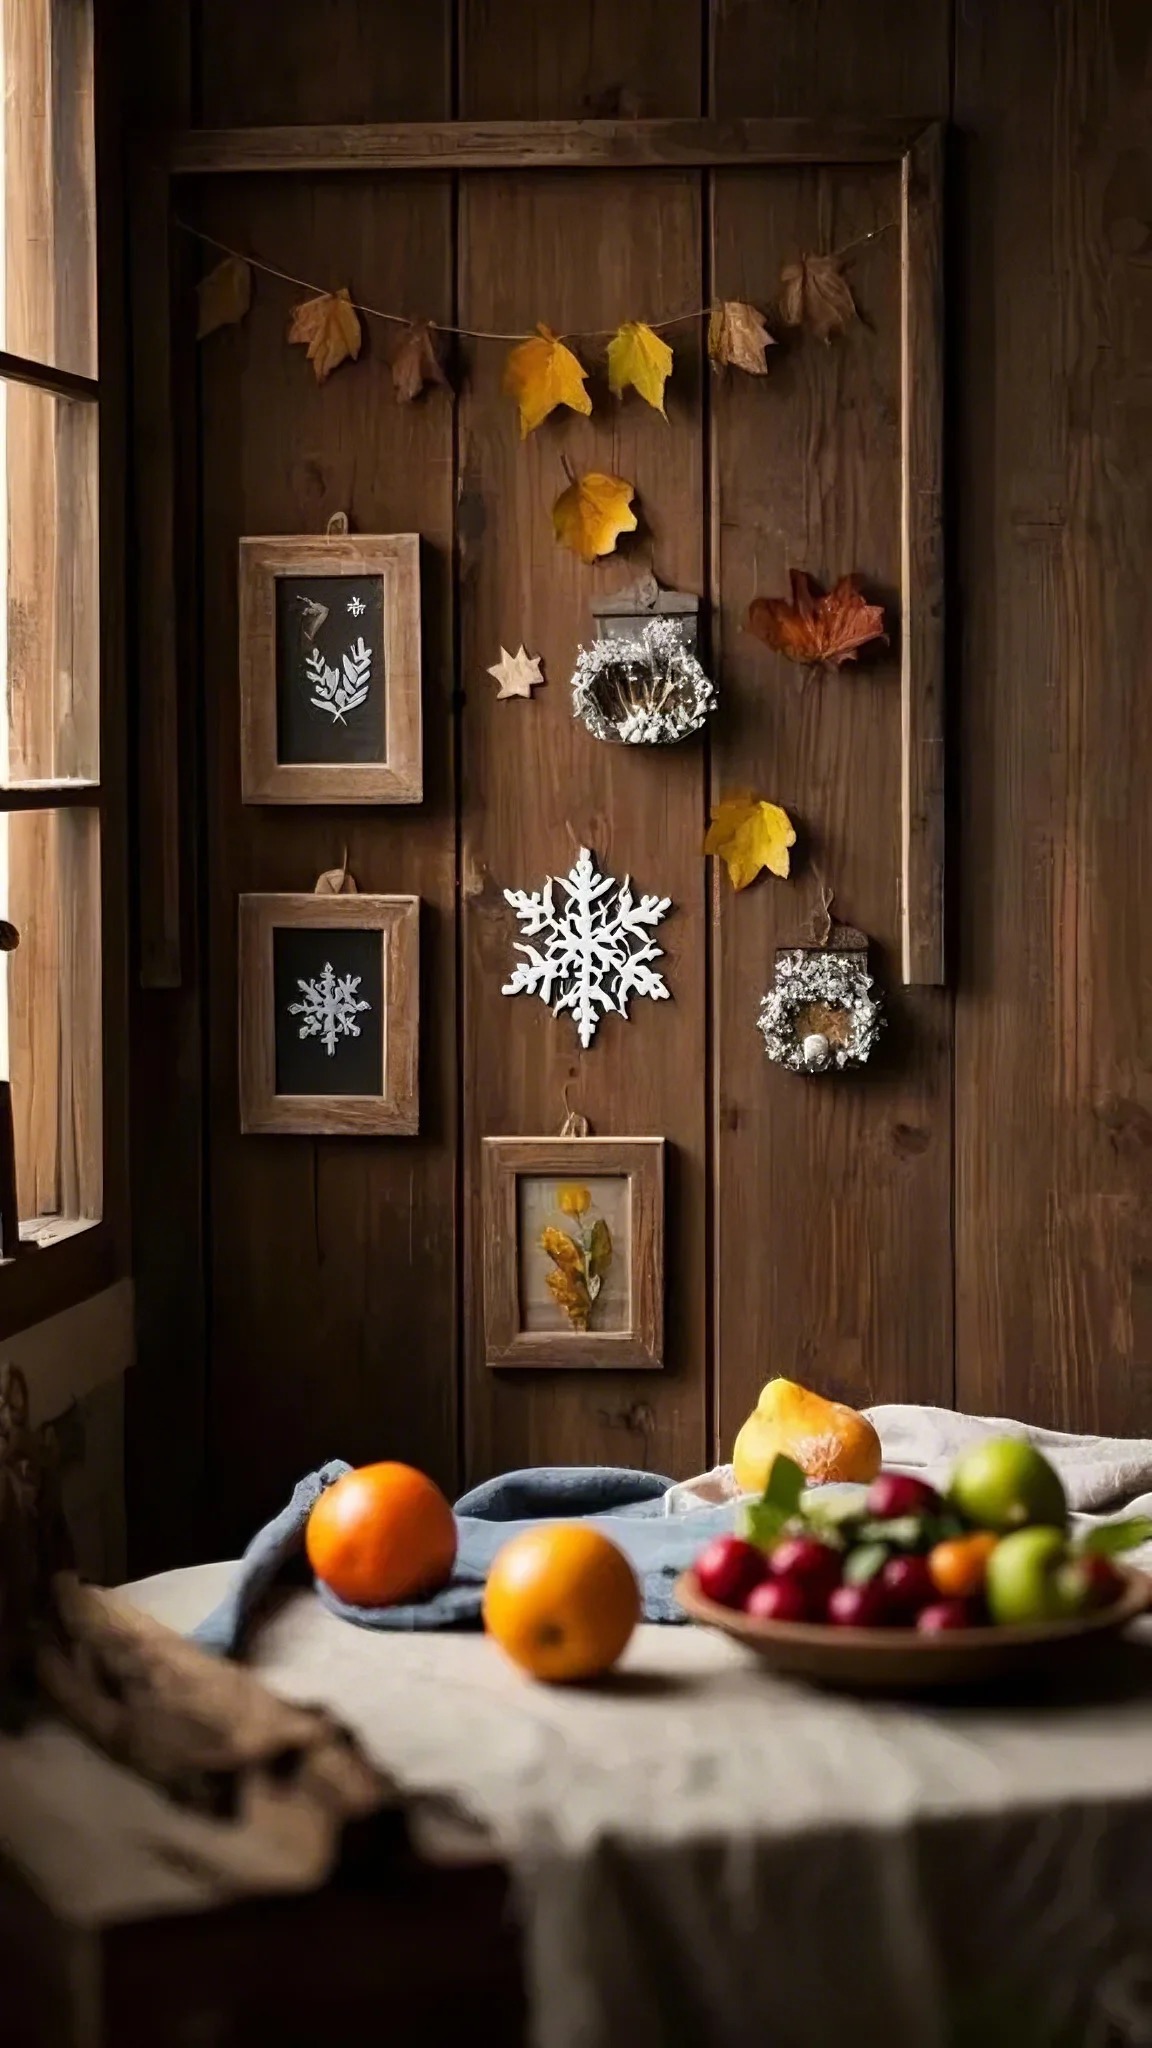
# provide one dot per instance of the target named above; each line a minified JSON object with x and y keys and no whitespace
{"x":574,"y":1251}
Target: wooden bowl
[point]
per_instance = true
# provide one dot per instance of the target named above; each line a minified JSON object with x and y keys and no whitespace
{"x":899,"y":1660}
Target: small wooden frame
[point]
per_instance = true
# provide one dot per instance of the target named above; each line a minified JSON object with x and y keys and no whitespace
{"x":524,"y":1179}
{"x":303,"y":1069}
{"x":330,"y":669}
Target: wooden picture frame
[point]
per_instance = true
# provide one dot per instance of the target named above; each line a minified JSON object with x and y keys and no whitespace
{"x":330,"y":704}
{"x":523,"y":1181}
{"x":375,"y":1035}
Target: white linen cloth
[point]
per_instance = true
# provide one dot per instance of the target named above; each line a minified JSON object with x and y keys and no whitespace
{"x":1102,"y":1474}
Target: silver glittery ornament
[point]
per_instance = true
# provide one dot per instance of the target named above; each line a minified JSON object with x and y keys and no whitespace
{"x":648,"y":691}
{"x":822,"y":1011}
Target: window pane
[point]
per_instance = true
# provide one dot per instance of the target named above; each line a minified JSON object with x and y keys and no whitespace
{"x":47,"y":219}
{"x":50,"y":1010}
{"x":49,"y":645}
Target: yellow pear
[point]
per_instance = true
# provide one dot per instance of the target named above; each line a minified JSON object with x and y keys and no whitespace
{"x":827,"y":1440}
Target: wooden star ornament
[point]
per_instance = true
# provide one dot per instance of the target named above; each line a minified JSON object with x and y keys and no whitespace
{"x":517,"y":674}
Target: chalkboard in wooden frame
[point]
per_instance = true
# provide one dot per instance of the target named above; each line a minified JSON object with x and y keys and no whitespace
{"x":329,"y":1014}
{"x":574,"y":1252}
{"x":330,"y":669}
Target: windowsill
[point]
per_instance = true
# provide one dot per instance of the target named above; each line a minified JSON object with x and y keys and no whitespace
{"x":41,"y":1231}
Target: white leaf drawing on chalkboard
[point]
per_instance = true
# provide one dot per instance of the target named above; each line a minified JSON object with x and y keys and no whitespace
{"x":338,"y":692}
{"x":330,"y":1007}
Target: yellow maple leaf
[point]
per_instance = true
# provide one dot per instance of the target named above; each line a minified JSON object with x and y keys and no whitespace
{"x":540,"y":374}
{"x":591,"y":514}
{"x":637,"y":356}
{"x":328,"y":328}
{"x":749,"y":834}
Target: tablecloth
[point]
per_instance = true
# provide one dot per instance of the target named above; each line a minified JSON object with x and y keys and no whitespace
{"x":705,"y":1854}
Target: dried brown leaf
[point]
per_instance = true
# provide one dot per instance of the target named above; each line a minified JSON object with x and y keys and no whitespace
{"x":417,"y":362}
{"x":224,"y":296}
{"x":814,"y":293}
{"x":328,"y":328}
{"x":814,"y":629}
{"x":737,"y":335}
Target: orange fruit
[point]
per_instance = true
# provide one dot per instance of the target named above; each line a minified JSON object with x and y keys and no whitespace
{"x":561,"y":1601}
{"x":959,"y":1565}
{"x":381,"y":1534}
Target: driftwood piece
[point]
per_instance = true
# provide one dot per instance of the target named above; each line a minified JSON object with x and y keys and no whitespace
{"x":284,"y":1782}
{"x":281,"y":1784}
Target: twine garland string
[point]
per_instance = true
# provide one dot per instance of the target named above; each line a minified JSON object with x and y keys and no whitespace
{"x":483,"y":333}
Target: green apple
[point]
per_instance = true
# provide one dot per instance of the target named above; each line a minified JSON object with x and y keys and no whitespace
{"x":1028,"y":1579}
{"x":1004,"y":1483}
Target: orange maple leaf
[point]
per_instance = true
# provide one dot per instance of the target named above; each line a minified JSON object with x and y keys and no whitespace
{"x":814,"y":629}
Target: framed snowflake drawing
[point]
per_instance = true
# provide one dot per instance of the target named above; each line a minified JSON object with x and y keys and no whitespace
{"x":329,"y":1014}
{"x":330,"y":669}
{"x":574,"y":1252}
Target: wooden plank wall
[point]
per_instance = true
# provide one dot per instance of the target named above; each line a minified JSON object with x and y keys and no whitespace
{"x":968,"y":1220}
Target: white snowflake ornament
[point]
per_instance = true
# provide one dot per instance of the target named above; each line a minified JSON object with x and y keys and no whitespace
{"x":597,"y":946}
{"x":330,"y":1007}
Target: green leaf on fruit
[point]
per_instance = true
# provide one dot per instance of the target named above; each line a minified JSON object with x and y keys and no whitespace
{"x":1111,"y":1538}
{"x":786,"y":1483}
{"x":762,"y":1521}
{"x":865,"y":1562}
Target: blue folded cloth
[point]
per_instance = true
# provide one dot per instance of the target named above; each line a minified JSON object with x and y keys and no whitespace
{"x":626,"y":1505}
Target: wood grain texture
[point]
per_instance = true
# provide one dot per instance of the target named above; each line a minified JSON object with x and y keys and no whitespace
{"x":1053,"y":1100}
{"x":520,"y":61}
{"x":469,"y":145}
{"x":340,"y":60}
{"x":333,"y":1288}
{"x":584,"y":252}
{"x":395,"y":559}
{"x":922,"y":646}
{"x":831,"y":1194}
{"x":394,"y":1111}
{"x":507,"y":1342}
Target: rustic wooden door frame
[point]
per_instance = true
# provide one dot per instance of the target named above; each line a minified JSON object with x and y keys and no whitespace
{"x":457,"y":146}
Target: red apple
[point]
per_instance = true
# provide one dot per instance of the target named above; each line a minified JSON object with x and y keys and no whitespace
{"x":908,"y":1585}
{"x":815,"y":1566}
{"x":892,"y":1494}
{"x":778,"y":1600}
{"x":945,"y":1614}
{"x":728,"y":1568}
{"x":859,"y":1606}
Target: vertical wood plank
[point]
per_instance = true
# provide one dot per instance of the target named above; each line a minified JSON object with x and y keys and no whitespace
{"x":521,"y":61}
{"x":922,"y":681}
{"x":324,"y":60}
{"x":582,"y":252}
{"x":332,"y":1259}
{"x":832,"y":1205}
{"x":1053,"y":1052}
{"x":158,"y":718}
{"x":146,"y":68}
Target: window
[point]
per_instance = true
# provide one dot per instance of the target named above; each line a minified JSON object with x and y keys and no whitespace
{"x":50,"y":772}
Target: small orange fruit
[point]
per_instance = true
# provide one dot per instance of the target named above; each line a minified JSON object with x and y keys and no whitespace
{"x":959,"y":1565}
{"x":561,"y":1601}
{"x":381,"y":1534}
